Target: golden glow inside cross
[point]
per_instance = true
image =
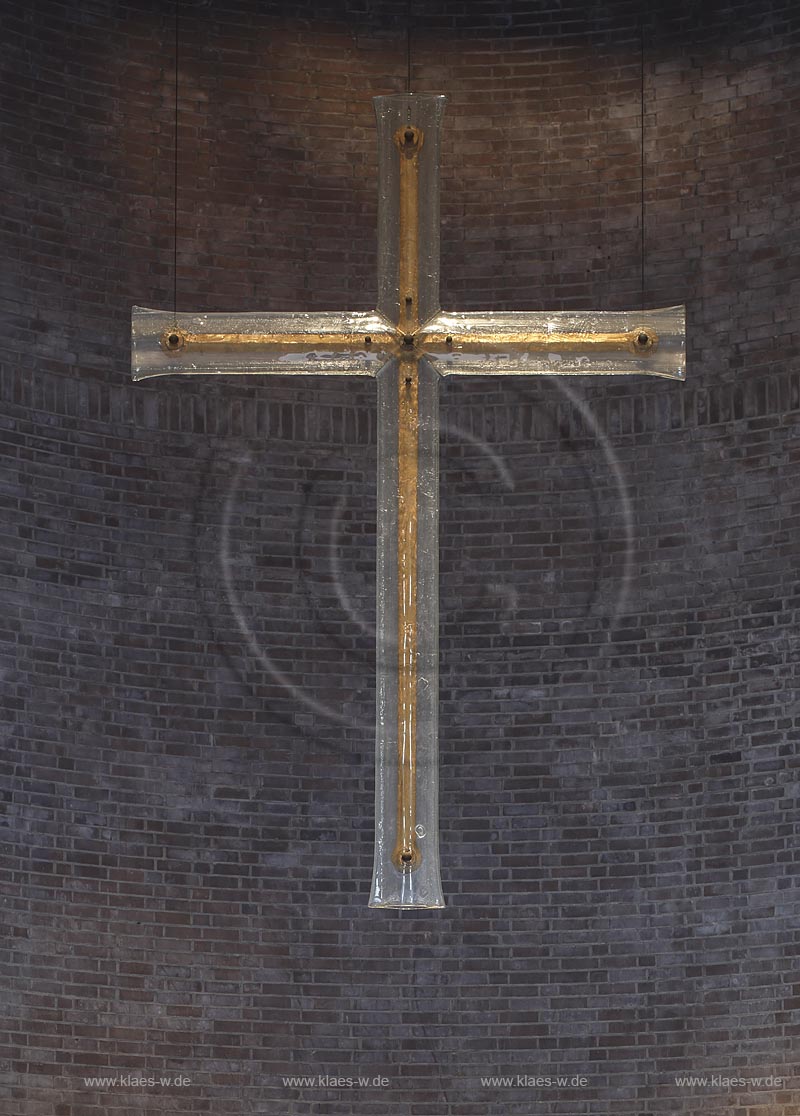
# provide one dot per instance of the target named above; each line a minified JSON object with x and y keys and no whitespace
{"x":408,"y":343}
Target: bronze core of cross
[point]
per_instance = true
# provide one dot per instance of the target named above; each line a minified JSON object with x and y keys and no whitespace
{"x":407,"y":344}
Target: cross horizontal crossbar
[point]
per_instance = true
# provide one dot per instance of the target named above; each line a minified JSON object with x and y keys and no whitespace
{"x":511,"y":343}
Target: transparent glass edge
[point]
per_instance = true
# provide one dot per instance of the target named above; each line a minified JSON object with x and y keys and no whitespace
{"x":506,"y":364}
{"x":386,"y":627}
{"x":388,"y":291}
{"x":428,"y":633}
{"x":672,"y":317}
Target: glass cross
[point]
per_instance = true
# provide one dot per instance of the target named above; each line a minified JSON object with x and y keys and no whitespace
{"x":407,"y":344}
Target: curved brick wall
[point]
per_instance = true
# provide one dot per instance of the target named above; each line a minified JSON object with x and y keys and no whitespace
{"x":188,"y":573}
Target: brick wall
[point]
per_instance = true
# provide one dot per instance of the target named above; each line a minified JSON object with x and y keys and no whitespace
{"x":188,"y":572}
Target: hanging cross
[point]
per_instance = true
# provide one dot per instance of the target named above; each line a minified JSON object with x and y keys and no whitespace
{"x":407,"y":343}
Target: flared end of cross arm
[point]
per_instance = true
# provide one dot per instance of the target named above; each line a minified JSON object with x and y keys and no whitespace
{"x":323,"y":344}
{"x":566,"y":343}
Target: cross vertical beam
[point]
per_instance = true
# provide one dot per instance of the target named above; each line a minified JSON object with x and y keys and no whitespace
{"x":406,"y":863}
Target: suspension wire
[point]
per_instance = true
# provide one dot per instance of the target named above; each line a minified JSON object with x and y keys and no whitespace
{"x":175,"y":176}
{"x":641,"y":158}
{"x":408,"y":47}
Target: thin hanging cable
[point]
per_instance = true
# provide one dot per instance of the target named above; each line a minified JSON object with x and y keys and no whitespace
{"x":641,"y":159}
{"x":175,"y":178}
{"x":408,"y":47}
